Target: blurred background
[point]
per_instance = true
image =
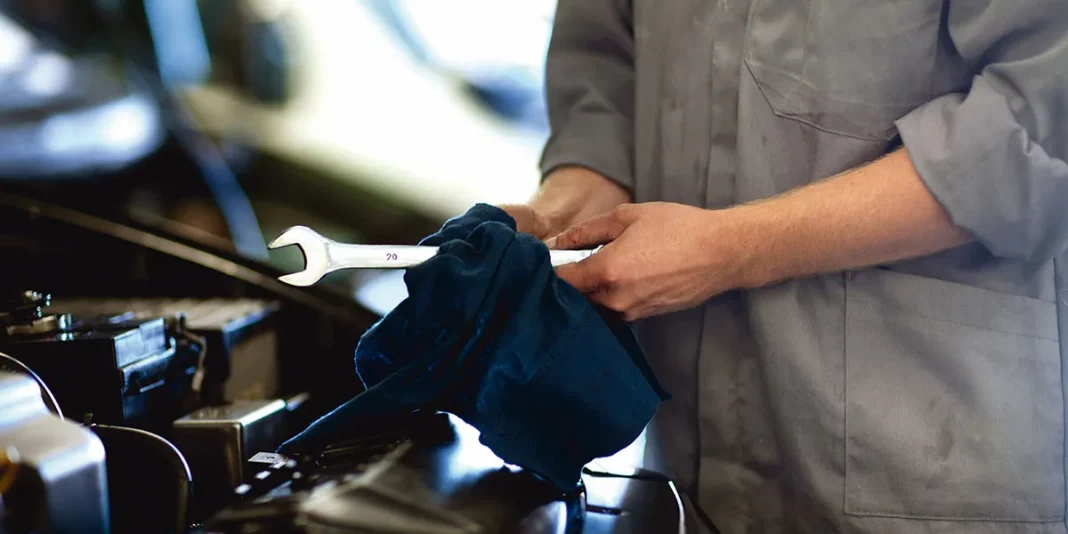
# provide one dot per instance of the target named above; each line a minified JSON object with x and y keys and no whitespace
{"x":227,"y":121}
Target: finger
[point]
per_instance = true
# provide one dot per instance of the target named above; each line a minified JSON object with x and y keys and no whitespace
{"x":584,"y":275}
{"x":615,"y":299}
{"x":595,"y":231}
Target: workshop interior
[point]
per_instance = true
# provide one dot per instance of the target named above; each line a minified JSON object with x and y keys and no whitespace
{"x":153,"y":358}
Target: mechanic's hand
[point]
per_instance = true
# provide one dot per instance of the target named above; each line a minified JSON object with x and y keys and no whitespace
{"x":529,"y":220}
{"x":660,"y":257}
{"x":566,"y":196}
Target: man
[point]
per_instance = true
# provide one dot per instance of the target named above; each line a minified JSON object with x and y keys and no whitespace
{"x":839,"y":226}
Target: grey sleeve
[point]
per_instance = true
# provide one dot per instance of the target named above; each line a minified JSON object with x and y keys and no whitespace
{"x":994,"y":157}
{"x":590,"y":89}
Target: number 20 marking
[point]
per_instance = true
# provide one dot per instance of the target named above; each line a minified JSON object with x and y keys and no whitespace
{"x":391,"y":256}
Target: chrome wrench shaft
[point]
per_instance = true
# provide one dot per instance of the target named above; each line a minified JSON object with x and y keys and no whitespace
{"x":323,"y":256}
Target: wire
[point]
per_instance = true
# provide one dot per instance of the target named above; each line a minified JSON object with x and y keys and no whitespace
{"x":226,"y":190}
{"x":235,"y":205}
{"x":219,"y":178}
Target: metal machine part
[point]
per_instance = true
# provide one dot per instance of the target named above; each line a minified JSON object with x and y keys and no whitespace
{"x":428,"y":473}
{"x":149,"y":482}
{"x":217,"y":440}
{"x":241,"y":362}
{"x":11,"y":365}
{"x":59,"y":482}
{"x":22,"y":313}
{"x":118,"y":369}
{"x":323,"y":256}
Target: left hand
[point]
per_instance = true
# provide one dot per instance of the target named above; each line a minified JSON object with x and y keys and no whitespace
{"x":660,"y":257}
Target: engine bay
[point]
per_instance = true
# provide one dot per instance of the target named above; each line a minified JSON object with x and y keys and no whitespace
{"x":154,"y":378}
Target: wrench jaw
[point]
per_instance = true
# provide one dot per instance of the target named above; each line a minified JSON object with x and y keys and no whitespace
{"x":304,"y":278}
{"x":313,"y":246}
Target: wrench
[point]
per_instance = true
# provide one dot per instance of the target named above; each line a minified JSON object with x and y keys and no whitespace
{"x":322,"y":255}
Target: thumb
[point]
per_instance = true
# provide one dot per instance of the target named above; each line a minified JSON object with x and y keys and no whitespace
{"x":594,"y":231}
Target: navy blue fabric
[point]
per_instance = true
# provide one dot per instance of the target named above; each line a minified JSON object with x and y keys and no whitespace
{"x":488,"y":332}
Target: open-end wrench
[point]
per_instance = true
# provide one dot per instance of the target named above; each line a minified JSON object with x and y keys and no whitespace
{"x":322,"y":255}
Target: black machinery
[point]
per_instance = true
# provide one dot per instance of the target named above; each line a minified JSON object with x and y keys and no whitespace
{"x":172,"y":372}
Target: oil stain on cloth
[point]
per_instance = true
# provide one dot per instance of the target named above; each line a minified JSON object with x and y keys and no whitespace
{"x":489,"y":333}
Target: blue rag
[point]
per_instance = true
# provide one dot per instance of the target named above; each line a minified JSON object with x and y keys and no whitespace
{"x":489,"y":333}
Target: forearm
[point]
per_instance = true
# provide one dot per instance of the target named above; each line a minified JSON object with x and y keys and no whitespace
{"x":872,"y":215}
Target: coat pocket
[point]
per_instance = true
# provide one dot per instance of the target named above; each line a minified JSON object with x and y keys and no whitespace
{"x":850,"y":68}
{"x":954,"y":402}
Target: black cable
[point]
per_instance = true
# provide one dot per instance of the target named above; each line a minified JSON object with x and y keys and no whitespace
{"x":219,"y":178}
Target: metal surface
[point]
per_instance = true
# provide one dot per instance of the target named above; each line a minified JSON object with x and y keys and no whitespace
{"x":611,"y":500}
{"x":44,"y":325}
{"x":217,"y":441}
{"x":23,"y":314}
{"x":61,"y":485}
{"x":149,"y":482}
{"x":430,"y":473}
{"x":323,"y":256}
{"x":241,"y":362}
{"x":121,"y":370}
{"x":11,"y":365}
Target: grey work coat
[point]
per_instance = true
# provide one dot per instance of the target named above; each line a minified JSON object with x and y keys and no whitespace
{"x":923,"y":396}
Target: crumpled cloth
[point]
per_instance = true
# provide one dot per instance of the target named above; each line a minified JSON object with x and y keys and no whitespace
{"x":491,"y":334}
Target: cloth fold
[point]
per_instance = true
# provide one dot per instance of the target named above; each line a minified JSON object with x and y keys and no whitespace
{"x":489,"y":333}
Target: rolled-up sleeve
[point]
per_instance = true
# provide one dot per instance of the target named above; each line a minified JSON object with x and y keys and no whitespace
{"x":994,"y":156}
{"x":590,"y":89}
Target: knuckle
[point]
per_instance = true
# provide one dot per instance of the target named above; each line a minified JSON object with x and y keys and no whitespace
{"x":576,"y":234}
{"x":626,"y":212}
{"x":611,"y":301}
{"x":568,"y":238}
{"x":609,"y":276}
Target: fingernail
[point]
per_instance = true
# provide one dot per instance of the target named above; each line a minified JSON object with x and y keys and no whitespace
{"x":551,"y":242}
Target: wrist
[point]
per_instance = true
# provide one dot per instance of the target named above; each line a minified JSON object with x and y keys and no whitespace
{"x":747,"y":256}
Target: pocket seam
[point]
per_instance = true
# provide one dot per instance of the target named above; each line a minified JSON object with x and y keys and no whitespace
{"x":795,"y":118}
{"x":950,"y":321}
{"x":801,"y":85}
{"x":1028,"y":304}
{"x":962,"y":285}
{"x":973,"y":519}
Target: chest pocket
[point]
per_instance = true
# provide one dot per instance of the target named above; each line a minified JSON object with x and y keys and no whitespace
{"x":850,"y":68}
